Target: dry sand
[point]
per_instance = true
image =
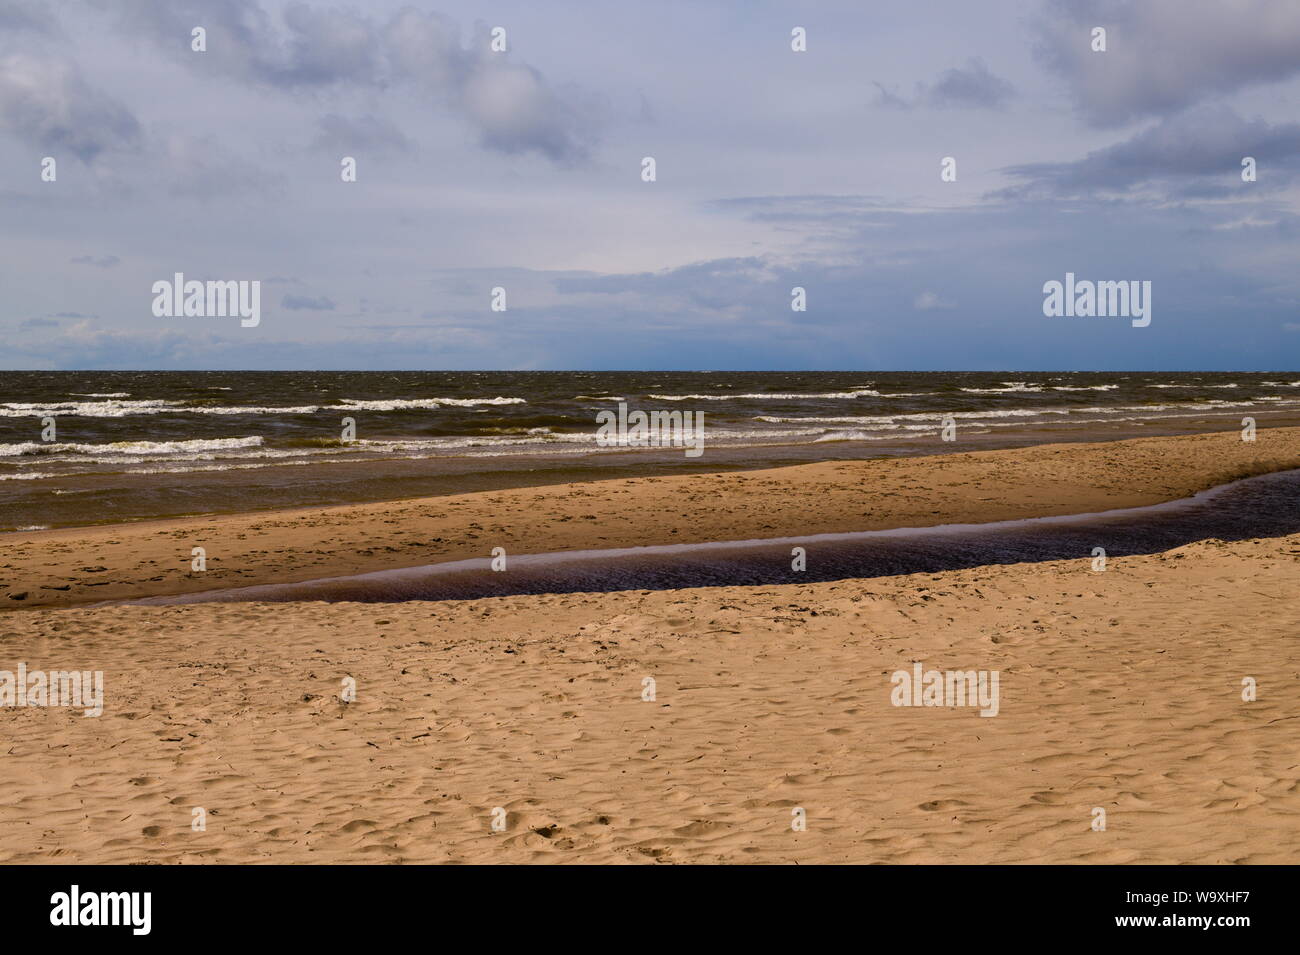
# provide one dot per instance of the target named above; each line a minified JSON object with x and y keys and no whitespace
{"x":1119,"y":690}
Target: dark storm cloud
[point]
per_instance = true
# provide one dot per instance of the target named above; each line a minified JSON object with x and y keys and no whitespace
{"x":1165,"y":55}
{"x":511,"y":105}
{"x":1204,"y":143}
{"x":47,"y":101}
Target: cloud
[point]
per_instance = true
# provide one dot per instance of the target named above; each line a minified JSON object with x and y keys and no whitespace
{"x":511,"y":105}
{"x":889,"y":99}
{"x":1165,"y":55}
{"x":16,"y":15}
{"x":103,"y":262}
{"x":88,"y":344}
{"x":971,"y":88}
{"x":47,"y":102}
{"x":300,"y":303}
{"x":286,"y":89}
{"x":516,"y":111}
{"x":1196,"y":154}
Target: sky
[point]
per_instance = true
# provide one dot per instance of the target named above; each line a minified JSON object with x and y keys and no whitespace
{"x":775,"y":168}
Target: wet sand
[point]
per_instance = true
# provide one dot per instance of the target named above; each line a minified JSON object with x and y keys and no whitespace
{"x":89,"y":565}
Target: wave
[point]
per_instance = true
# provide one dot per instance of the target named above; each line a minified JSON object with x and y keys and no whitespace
{"x":90,"y":409}
{"x":1011,"y":386}
{"x":404,"y":404}
{"x":248,"y":453}
{"x":849,"y":436}
{"x":862,"y":393}
{"x":917,"y":416}
{"x":1213,"y":404}
{"x":123,"y":409}
{"x":1234,"y":385}
{"x":127,"y":409}
{"x":31,"y":448}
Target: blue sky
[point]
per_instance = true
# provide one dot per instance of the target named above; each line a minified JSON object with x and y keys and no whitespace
{"x":775,"y":169}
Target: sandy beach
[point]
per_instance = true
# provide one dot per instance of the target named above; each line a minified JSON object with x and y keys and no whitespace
{"x":1121,"y":691}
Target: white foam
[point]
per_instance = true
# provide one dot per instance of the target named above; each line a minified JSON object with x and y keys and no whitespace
{"x":126,"y":409}
{"x":123,"y":409}
{"x":863,"y":393}
{"x":1011,"y":386}
{"x":398,"y":404}
{"x":128,"y":447}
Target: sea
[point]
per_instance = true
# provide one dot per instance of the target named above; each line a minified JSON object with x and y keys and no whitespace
{"x":80,"y":448}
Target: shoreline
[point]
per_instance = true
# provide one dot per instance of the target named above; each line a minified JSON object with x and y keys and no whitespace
{"x":84,"y":565}
{"x":104,"y":499}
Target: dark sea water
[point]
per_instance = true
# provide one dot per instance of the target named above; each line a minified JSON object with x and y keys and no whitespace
{"x":138,"y":445}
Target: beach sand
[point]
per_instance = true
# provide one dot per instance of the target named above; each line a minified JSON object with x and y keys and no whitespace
{"x":1119,"y":690}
